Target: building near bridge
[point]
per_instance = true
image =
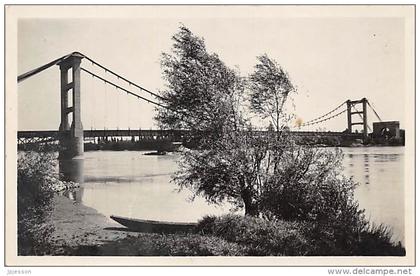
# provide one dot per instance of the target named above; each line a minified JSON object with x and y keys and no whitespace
{"x":388,"y":133}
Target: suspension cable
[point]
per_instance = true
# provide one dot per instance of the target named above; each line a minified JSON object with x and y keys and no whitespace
{"x":121,"y":77}
{"x":374,"y":111}
{"x":35,"y":71}
{"x":106,"y":107}
{"x":54,"y":62}
{"x":118,"y":109}
{"x":326,"y":114}
{"x":323,"y":120}
{"x":125,"y":90}
{"x":91,"y":96}
{"x":183,"y":116}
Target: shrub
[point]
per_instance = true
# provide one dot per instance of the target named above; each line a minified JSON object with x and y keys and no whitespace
{"x":309,"y":187}
{"x":37,"y":181}
{"x":162,"y":245}
{"x":196,"y":245}
{"x":261,"y":237}
{"x":332,"y":240}
{"x":376,"y":240}
{"x":34,"y":201}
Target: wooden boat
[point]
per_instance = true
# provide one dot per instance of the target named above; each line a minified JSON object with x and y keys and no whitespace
{"x":152,"y":226}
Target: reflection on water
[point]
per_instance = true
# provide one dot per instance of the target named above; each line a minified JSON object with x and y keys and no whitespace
{"x":128,"y":183}
{"x":380,"y":173}
{"x":131,"y":184}
{"x":72,"y":170}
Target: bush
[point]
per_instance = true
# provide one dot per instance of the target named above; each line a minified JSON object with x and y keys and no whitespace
{"x":34,"y":201}
{"x":335,"y":240}
{"x":162,"y":245}
{"x":309,"y":187}
{"x":196,"y":245}
{"x":261,"y":237}
{"x":37,"y":181}
{"x":376,"y":240}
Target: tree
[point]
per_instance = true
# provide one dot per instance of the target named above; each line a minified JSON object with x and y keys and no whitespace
{"x":266,"y":173}
{"x":231,"y":169}
{"x":270,"y":87}
{"x":202,"y":92}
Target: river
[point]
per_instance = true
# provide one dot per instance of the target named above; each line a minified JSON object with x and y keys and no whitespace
{"x":131,"y":184}
{"x":380,"y":174}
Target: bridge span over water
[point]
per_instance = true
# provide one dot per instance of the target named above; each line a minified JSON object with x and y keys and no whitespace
{"x":72,"y":136}
{"x":48,"y":136}
{"x":160,"y":134}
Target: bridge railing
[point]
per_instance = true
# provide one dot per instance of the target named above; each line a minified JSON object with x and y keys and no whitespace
{"x":159,"y":134}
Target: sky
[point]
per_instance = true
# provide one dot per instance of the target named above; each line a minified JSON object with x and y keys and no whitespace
{"x":329,"y":60}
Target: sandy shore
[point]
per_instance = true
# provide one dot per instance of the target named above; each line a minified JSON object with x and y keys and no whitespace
{"x":82,"y":231}
{"x":77,"y":225}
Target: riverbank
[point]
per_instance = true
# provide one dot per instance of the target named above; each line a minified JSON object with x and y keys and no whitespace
{"x":82,"y":231}
{"x":75,"y":225}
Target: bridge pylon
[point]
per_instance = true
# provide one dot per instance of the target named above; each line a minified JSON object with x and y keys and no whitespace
{"x":71,"y":137}
{"x":362,"y":114}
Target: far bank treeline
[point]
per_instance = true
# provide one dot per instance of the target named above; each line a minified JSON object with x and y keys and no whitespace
{"x":269,"y":176}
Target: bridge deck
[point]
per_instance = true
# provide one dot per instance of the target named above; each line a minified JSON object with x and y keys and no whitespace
{"x":154,"y":134}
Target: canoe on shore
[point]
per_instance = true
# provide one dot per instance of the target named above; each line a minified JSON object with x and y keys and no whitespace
{"x":152,"y":226}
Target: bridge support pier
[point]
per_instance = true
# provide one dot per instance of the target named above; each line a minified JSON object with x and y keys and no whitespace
{"x":71,"y":137}
{"x":71,"y":170}
{"x":349,"y":121}
{"x":362,"y":114}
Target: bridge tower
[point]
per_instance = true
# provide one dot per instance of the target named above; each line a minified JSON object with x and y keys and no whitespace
{"x":71,"y":137}
{"x":363,"y":114}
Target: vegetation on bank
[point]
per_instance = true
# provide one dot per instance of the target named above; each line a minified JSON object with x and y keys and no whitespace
{"x":234,"y":235}
{"x":260,"y":237}
{"x":37,"y":181}
{"x":153,"y":244}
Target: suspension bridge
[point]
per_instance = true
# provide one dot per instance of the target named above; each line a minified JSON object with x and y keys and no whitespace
{"x":72,"y":136}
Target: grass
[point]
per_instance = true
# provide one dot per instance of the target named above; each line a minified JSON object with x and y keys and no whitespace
{"x":151,"y":244}
{"x":258,"y":236}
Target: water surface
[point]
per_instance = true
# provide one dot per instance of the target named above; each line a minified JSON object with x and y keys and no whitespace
{"x":131,"y":184}
{"x":380,"y":174}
